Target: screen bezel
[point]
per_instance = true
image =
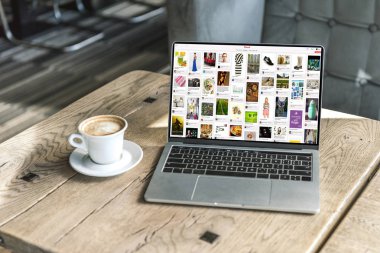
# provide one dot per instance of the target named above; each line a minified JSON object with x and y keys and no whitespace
{"x":244,"y":143}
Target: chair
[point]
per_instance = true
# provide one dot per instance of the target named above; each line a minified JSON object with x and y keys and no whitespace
{"x":120,"y":6}
{"x":349,"y":31}
{"x":73,"y":47}
{"x":57,"y":9}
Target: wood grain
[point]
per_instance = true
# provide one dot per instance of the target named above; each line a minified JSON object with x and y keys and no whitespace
{"x":85,"y":214}
{"x":360,"y":229}
{"x":4,"y":250}
{"x":43,"y":148}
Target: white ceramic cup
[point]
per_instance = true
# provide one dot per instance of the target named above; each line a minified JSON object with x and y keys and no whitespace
{"x":103,"y":148}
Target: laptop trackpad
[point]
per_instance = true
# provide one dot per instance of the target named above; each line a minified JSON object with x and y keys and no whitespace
{"x":232,"y":191}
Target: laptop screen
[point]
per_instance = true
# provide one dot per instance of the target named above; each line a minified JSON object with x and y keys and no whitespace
{"x":262,"y":93}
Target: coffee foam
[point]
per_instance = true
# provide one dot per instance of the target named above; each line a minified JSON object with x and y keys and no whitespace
{"x":103,"y":125}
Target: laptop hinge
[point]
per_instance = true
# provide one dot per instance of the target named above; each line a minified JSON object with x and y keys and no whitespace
{"x":275,"y":145}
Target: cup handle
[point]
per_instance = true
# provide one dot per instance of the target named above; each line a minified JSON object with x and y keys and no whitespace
{"x":76,"y":144}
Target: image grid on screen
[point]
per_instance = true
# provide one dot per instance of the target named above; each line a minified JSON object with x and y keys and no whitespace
{"x":247,"y":93}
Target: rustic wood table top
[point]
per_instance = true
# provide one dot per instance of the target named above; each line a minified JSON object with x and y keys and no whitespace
{"x":45,"y":206}
{"x":360,"y":229}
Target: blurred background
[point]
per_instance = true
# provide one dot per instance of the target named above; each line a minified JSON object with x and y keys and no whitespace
{"x":53,"y":52}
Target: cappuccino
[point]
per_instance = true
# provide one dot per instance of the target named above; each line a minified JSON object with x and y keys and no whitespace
{"x":102,"y":137}
{"x":102,"y":125}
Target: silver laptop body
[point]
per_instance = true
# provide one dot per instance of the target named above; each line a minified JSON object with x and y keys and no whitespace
{"x":273,"y":94}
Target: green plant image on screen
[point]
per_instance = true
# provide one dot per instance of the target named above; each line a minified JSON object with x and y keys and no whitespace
{"x":207,"y":109}
{"x":250,"y":117}
{"x":221,"y":106}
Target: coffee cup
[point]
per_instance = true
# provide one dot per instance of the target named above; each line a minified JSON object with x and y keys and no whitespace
{"x":101,"y":137}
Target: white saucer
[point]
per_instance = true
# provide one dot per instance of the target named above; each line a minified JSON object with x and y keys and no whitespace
{"x":81,"y":162}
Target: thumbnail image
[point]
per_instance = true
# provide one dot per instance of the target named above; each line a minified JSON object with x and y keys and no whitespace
{"x":250,"y":117}
{"x":238,"y":63}
{"x":236,"y":112}
{"x":177,"y":125}
{"x":266,"y":108}
{"x":221,"y":106}
{"x":311,"y":110}
{"x":206,"y":131}
{"x":268,"y":59}
{"x":180,"y":59}
{"x":295,"y":139}
{"x":283,"y":59}
{"x":221,"y":128}
{"x":194,"y":82}
{"x":178,"y":101}
{"x":252,"y":94}
{"x":310,"y":136}
{"x":267,"y":82}
{"x":223,"y":78}
{"x":236,"y":130}
{"x":265,"y":132}
{"x":282,"y":81}
{"x":295,"y":119}
{"x":223,"y":58}
{"x":253,"y":64}
{"x":208,"y":86}
{"x":279,"y":131}
{"x":250,"y":135}
{"x":179,"y":81}
{"x":191,"y":133}
{"x":314,"y":63}
{"x":297,"y":62}
{"x":195,"y":62}
{"x":221,"y":131}
{"x":281,"y":107}
{"x":192,"y":108}
{"x":237,"y":89}
{"x":312,"y":84}
{"x":207,"y":109}
{"x":209,"y":59}
{"x":297,"y":89}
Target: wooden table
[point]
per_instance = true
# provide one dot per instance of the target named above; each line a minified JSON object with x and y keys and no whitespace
{"x":45,"y":206}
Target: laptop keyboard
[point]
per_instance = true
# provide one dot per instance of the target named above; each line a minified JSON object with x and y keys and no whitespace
{"x":239,"y":163}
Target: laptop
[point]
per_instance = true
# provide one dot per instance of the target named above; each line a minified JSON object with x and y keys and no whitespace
{"x":244,"y":126}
